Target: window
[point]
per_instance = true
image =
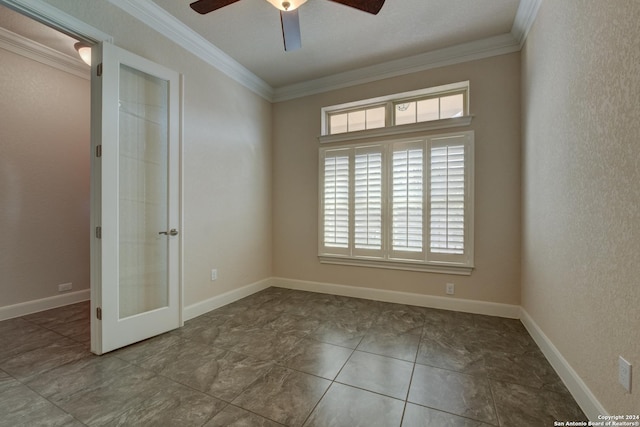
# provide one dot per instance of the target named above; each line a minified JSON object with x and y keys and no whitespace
{"x":425,"y":105}
{"x":428,"y":109}
{"x":359,"y":119}
{"x":336,"y":200}
{"x":399,"y":204}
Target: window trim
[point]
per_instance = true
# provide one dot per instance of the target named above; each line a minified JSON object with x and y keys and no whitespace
{"x":406,"y":265}
{"x":428,"y":262}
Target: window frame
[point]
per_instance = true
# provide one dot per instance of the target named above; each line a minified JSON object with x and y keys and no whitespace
{"x":386,"y":257}
{"x":363,"y":108}
{"x":438,"y":95}
{"x":389,"y":102}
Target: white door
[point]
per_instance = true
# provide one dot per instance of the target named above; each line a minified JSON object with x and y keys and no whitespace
{"x":135,"y":271}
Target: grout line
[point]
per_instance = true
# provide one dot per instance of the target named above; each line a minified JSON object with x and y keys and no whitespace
{"x":247,"y":410}
{"x":370,"y":391}
{"x":404,"y":410}
{"x":330,"y":385}
{"x":493,"y":399}
{"x":279,"y":362}
{"x":317,"y":403}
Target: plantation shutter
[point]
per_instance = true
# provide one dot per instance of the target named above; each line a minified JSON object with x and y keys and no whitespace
{"x":336,"y":200}
{"x":368,"y":199}
{"x":450,"y":194}
{"x":404,"y":204}
{"x":407,"y":200}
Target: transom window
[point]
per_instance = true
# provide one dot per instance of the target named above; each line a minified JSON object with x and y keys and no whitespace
{"x":428,"y":109}
{"x":359,"y":119}
{"x":431,"y":104}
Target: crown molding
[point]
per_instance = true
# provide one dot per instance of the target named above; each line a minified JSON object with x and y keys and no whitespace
{"x":45,"y":55}
{"x":525,"y":16}
{"x":157,"y":18}
{"x":479,"y":49}
{"x":154,"y":16}
{"x":55,"y":18}
{"x":169,"y":26}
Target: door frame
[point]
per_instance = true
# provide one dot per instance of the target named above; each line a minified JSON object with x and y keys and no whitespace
{"x":74,"y":27}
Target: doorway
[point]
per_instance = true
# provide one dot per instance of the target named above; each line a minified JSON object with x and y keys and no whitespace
{"x":44,"y":167}
{"x":135,"y":200}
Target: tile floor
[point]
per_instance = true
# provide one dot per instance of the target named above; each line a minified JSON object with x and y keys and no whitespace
{"x":284,"y":357}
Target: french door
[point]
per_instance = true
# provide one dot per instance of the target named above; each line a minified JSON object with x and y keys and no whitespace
{"x":135,"y":195}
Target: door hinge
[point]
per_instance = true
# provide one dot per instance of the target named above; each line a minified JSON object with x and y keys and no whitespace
{"x":98,"y":232}
{"x":99,"y":69}
{"x":99,"y":313}
{"x":98,"y":150}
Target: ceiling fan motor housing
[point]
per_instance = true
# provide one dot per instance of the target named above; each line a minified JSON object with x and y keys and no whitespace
{"x":289,"y":14}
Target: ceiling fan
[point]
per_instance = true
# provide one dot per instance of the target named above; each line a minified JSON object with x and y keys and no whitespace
{"x":289,"y":14}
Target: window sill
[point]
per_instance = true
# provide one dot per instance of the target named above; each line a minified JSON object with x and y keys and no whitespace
{"x":397,"y":265}
{"x":396,"y":130}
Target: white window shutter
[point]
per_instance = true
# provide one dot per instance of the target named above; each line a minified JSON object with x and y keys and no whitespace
{"x":451,"y":198}
{"x":407,"y":204}
{"x":368,"y":199}
{"x":407,"y":200}
{"x":336,"y":201}
{"x":447,"y":199}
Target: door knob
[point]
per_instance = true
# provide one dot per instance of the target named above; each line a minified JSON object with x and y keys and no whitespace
{"x":172,"y":232}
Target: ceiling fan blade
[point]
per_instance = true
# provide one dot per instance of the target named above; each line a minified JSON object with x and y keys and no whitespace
{"x":206,"y":6}
{"x":371,"y":6}
{"x":291,"y":30}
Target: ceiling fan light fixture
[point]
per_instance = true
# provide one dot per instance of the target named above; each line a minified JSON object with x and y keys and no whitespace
{"x":287,"y":5}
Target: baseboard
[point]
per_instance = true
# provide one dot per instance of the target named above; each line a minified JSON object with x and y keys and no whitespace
{"x":29,"y":307}
{"x":218,"y":301}
{"x":194,"y":310}
{"x":584,"y":397}
{"x":579,"y":390}
{"x":581,"y":393}
{"x":456,"y":304}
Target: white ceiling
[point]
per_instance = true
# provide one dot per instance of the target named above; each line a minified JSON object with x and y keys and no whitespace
{"x":337,"y":38}
{"x":341,"y":46}
{"x":35,"y":31}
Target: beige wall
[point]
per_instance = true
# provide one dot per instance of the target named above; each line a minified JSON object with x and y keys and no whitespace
{"x":581,"y":192}
{"x":251,"y":170}
{"x":44,"y":180}
{"x":227,"y":159}
{"x":495,"y":103}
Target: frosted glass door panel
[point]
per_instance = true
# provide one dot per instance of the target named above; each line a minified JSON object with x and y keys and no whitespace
{"x":143,"y":188}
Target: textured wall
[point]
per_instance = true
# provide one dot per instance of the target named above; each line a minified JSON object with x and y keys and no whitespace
{"x":581,"y":192}
{"x":44,"y":180}
{"x":495,"y":103}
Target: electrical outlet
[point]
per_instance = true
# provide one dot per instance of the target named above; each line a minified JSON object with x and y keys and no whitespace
{"x":65,"y":287}
{"x":450,"y":289}
{"x":214,"y":274}
{"x":624,"y":373}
